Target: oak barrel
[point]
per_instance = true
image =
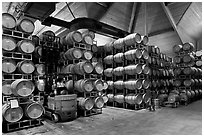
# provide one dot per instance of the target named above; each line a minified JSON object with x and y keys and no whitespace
{"x":108,"y":47}
{"x":146,"y":83}
{"x":11,"y":114}
{"x":84,"y":85}
{"x":133,"y":54}
{"x":177,"y":48}
{"x":133,"y":84}
{"x":69,"y":84}
{"x":146,"y":97}
{"x":34,"y":110}
{"x":119,"y":71}
{"x":188,"y":46}
{"x":8,"y":43}
{"x":131,"y":39}
{"x":145,"y":40}
{"x":98,"y":67}
{"x":87,"y":39}
{"x":146,"y":69}
{"x":40,"y":84}
{"x":26,"y":46}
{"x":119,"y":98}
{"x":22,"y":87}
{"x":105,"y":98}
{"x":145,"y":54}
{"x":73,"y":53}
{"x":119,"y":84}
{"x":38,"y":52}
{"x":26,"y":25}
{"x":40,"y":69}
{"x":118,"y":57}
{"x":26,"y":67}
{"x":108,"y":72}
{"x":87,"y":55}
{"x":85,"y":103}
{"x":110,"y":97}
{"x":188,"y":58}
{"x":119,"y":43}
{"x":8,"y":21}
{"x":98,"y":102}
{"x":110,"y":84}
{"x":6,"y":88}
{"x":84,"y":67}
{"x":8,"y":65}
{"x":98,"y":84}
{"x":108,"y":59}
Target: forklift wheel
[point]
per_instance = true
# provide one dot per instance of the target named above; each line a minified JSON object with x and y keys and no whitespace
{"x":55,"y":117}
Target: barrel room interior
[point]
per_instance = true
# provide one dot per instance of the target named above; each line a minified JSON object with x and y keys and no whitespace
{"x":101,"y":68}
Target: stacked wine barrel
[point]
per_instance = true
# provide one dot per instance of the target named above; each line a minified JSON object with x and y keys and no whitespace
{"x":188,"y":73}
{"x":127,"y":72}
{"x":87,"y":82}
{"x":162,"y":74}
{"x":18,"y":68}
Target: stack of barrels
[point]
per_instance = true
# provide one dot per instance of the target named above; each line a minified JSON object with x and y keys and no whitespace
{"x":188,"y":73}
{"x":17,"y":104}
{"x":162,"y":74}
{"x":127,"y":71}
{"x":87,"y":74}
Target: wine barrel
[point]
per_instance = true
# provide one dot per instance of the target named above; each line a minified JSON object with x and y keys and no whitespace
{"x":40,"y":69}
{"x":133,"y":84}
{"x":105,"y":85}
{"x":98,"y":84}
{"x":133,"y":54}
{"x":74,"y":37}
{"x":188,"y":82}
{"x":146,"y":83}
{"x":26,"y":46}
{"x":146,"y":69}
{"x":8,"y":21}
{"x":133,"y":69}
{"x":105,"y":98}
{"x":146,"y":97}
{"x":108,"y":59}
{"x":177,"y":71}
{"x":199,"y":63}
{"x":163,"y":98}
{"x":26,"y":67}
{"x":119,"y":71}
{"x":150,"y":60}
{"x":119,"y":98}
{"x":198,"y":53}
{"x":68,"y":69}
{"x":110,"y":97}
{"x":177,"y":48}
{"x":188,"y":46}
{"x":145,"y":54}
{"x":196,"y":93}
{"x":26,"y":25}
{"x":131,"y":39}
{"x":108,"y":47}
{"x":69,"y":85}
{"x":98,"y":102}
{"x":189,"y":70}
{"x":38,"y":52}
{"x":48,"y":36}
{"x":130,"y":99}
{"x":91,"y":33}
{"x":118,"y":57}
{"x":94,"y":48}
{"x":157,"y":50}
{"x":11,"y":114}
{"x":87,"y":39}
{"x":188,"y":58}
{"x":34,"y":110}
{"x":119,"y":43}
{"x":118,"y":84}
{"x":183,"y":96}
{"x":8,"y":43}
{"x":6,"y":88}
{"x":144,"y":40}
{"x":73,"y":53}
{"x":40,"y":84}
{"x":177,"y":83}
{"x":8,"y":65}
{"x":172,"y":98}
{"x":84,"y":85}
{"x":87,"y":55}
{"x":108,"y":72}
{"x":154,"y":84}
{"x":98,"y":67}
{"x":110,"y":84}
{"x":85,"y":103}
{"x":22,"y":87}
{"x":192,"y":94}
{"x":84,"y":67}
{"x":177,"y":59}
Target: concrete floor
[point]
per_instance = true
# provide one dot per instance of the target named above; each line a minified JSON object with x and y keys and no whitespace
{"x":184,"y":120}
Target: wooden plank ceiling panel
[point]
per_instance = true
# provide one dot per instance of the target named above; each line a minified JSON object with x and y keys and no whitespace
{"x":177,"y":9}
{"x":119,"y":15}
{"x":191,"y":23}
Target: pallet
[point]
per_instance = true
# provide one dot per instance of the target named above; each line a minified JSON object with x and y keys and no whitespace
{"x":16,"y":76}
{"x":135,"y":61}
{"x":17,"y":55}
{"x":15,"y":34}
{"x":173,"y":105}
{"x":87,"y":113}
{"x":8,"y":127}
{"x":21,"y":100}
{"x":134,"y":106}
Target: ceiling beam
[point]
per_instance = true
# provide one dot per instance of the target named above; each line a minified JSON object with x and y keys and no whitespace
{"x":9,"y":6}
{"x":160,"y":31}
{"x":171,"y":19}
{"x":132,"y":17}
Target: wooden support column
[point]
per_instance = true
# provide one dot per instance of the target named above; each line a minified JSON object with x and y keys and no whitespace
{"x":171,"y":20}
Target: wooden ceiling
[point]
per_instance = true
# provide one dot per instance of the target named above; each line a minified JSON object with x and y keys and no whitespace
{"x":153,"y":21}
